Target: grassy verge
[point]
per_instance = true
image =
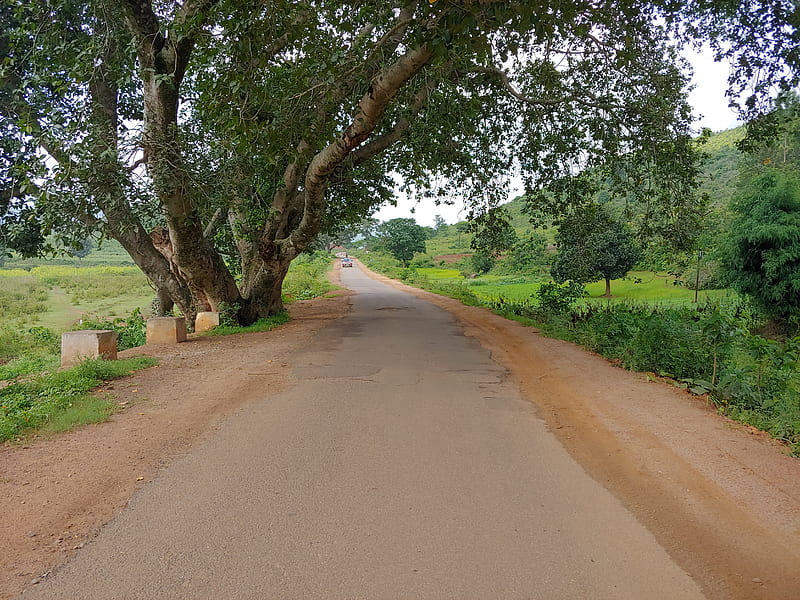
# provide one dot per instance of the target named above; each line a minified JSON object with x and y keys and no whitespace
{"x":61,"y":400}
{"x":264,"y":324}
{"x":307,"y":278}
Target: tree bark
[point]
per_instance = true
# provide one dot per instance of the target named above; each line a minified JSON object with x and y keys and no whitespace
{"x":608,"y":288}
{"x":265,"y":292}
{"x":163,"y":62}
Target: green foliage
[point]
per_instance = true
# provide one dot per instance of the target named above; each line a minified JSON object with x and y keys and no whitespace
{"x":528,"y":255}
{"x":307,"y":277}
{"x":36,"y":401}
{"x":27,"y":351}
{"x":592,"y":245}
{"x":482,"y":261}
{"x":402,"y":238}
{"x":492,"y":234}
{"x":762,"y":257}
{"x":264,"y":324}
{"x":559,"y":298}
{"x":706,"y":349}
{"x":131,"y":330}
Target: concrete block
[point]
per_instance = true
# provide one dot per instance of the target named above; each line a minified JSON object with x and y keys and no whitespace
{"x":166,"y":330}
{"x":89,"y":343}
{"x":206,"y":321}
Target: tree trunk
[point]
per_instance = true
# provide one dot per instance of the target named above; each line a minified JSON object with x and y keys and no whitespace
{"x":608,"y":288}
{"x":164,"y":301}
{"x":263,"y":296}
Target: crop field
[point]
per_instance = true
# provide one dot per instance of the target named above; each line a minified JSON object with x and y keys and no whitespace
{"x":641,"y":286}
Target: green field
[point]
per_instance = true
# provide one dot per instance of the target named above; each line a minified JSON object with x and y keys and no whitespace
{"x":639,"y":286}
{"x":58,"y":297}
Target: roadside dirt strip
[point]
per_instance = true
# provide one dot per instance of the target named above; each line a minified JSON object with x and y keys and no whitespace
{"x":723,"y":499}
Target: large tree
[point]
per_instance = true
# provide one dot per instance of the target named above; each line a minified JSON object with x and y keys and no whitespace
{"x":215,"y":139}
{"x":592,"y":245}
{"x":762,"y":257}
{"x":402,"y":238}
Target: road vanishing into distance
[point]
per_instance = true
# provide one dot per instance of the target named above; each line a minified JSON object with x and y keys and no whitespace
{"x":402,"y":463}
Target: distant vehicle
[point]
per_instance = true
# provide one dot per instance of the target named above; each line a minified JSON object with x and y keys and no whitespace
{"x":347,"y":262}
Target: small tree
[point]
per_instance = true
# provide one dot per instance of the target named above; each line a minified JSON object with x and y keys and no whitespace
{"x":402,"y":238}
{"x":762,"y":255}
{"x":482,"y":261}
{"x":591,"y":246}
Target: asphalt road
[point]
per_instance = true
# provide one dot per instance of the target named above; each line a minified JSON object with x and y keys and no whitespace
{"x":402,"y":464}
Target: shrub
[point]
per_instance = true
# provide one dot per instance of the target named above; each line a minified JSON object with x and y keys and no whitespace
{"x":557,"y":298}
{"x":131,"y":330}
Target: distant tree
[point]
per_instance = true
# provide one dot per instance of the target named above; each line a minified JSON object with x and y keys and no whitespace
{"x":402,"y":238}
{"x":439,"y":224}
{"x":762,"y":256}
{"x":492,"y":232}
{"x":83,"y":250}
{"x":591,"y":246}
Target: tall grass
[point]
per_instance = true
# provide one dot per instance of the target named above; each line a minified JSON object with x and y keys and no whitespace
{"x":23,"y":297}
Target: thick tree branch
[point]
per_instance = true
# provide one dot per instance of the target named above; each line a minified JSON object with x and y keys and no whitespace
{"x":371,"y":108}
{"x":394,"y":135}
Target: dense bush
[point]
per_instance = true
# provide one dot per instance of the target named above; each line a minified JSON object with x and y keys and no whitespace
{"x":708,"y":348}
{"x":131,"y":330}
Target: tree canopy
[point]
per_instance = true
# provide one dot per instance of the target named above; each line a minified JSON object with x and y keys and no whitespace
{"x":216,"y":139}
{"x":402,"y":238}
{"x":592,"y":245}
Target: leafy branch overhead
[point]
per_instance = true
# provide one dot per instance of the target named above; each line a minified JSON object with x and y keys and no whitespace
{"x":215,"y":139}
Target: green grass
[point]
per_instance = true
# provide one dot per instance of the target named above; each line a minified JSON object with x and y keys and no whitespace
{"x":23,"y":297}
{"x":61,"y":400}
{"x":307,"y":278}
{"x":643,"y":286}
{"x":57,"y":297}
{"x":432,"y":273}
{"x":264,"y":324}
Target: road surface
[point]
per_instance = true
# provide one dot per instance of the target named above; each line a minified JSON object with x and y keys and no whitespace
{"x":402,"y":463}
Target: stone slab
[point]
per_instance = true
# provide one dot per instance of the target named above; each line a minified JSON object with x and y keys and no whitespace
{"x":206,"y":321}
{"x":89,"y":343}
{"x":166,"y":330}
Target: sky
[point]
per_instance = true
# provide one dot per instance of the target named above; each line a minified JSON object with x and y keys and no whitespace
{"x":708,"y":100}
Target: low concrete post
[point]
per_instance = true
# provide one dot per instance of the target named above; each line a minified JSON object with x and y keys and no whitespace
{"x":166,"y":330}
{"x":89,"y":343}
{"x":206,"y":321}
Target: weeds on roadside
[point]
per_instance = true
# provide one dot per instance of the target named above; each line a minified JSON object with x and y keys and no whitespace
{"x":306,"y":277}
{"x":263,"y":324}
{"x":131,"y":330}
{"x":61,"y":400}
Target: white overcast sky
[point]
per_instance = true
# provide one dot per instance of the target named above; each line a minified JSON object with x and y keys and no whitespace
{"x":708,"y":100}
